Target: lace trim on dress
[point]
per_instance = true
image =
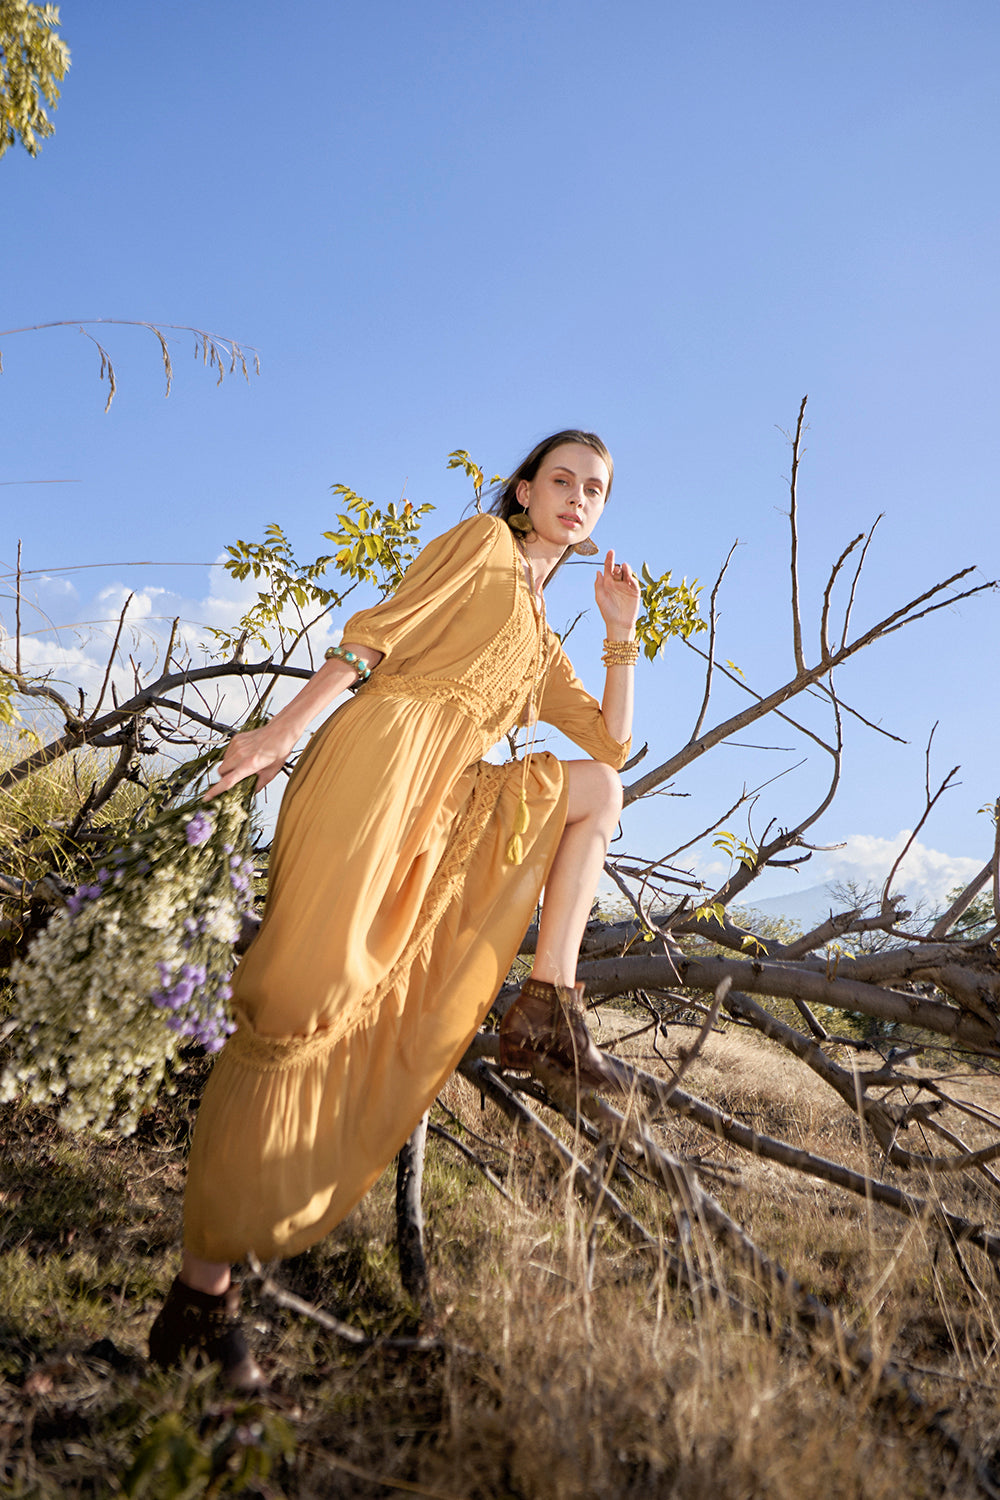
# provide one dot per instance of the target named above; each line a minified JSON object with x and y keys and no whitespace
{"x":274,"y":1054}
{"x":431,"y":690}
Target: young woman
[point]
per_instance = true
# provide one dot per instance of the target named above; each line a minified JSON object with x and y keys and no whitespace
{"x":404,"y":873}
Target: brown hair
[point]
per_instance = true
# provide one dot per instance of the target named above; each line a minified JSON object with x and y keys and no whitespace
{"x":505,"y":503}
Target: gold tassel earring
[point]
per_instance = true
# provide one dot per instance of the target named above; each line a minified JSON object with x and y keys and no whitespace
{"x":520,"y":523}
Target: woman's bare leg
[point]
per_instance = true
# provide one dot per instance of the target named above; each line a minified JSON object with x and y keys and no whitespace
{"x":595,"y":803}
{"x":209,"y":1276}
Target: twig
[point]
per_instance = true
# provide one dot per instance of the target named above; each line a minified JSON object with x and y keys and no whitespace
{"x":931,"y":800}
{"x":824,"y":636}
{"x":17,"y":613}
{"x":688,"y":1055}
{"x":111,"y":660}
{"x":470,"y":1155}
{"x":712,"y":627}
{"x":854,"y":582}
{"x":417,"y":1343}
{"x":800,"y":661}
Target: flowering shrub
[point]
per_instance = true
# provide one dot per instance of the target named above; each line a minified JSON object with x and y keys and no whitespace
{"x":136,"y":964}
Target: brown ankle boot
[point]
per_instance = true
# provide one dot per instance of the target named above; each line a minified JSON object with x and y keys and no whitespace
{"x":197,"y":1322}
{"x":546,"y":1023}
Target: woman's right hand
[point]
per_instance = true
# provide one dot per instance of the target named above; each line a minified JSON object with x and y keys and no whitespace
{"x":258,"y":751}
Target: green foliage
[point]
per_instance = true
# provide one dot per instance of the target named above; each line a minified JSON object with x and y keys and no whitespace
{"x":459,"y":459}
{"x":176,"y":1460}
{"x":735,"y":847}
{"x":711,"y":911}
{"x":8,"y":713}
{"x":374,"y":546}
{"x":287,"y":582}
{"x":32,"y":59}
{"x":669,"y":609}
{"x":379,"y":546}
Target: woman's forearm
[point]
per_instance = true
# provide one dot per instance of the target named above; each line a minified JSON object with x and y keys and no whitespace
{"x":327,"y":683}
{"x":618,"y":595}
{"x":617,"y":702}
{"x":262,"y":752}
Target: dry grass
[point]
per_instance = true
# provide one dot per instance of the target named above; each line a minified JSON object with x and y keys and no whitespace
{"x":34,"y":812}
{"x":581,"y":1373}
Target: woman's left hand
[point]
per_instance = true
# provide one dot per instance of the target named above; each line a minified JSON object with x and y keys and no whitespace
{"x":618,"y":596}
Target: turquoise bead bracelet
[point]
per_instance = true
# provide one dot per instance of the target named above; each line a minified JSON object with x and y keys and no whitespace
{"x":362,"y":668}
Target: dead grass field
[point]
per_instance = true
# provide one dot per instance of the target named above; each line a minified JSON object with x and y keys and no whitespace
{"x":568,"y":1365}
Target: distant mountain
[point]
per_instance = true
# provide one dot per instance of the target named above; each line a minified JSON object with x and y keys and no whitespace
{"x":807,"y":907}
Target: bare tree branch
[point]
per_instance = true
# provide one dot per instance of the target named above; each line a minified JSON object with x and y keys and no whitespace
{"x":710,"y":655}
{"x":78,"y":733}
{"x":961,"y":903}
{"x":695,"y":748}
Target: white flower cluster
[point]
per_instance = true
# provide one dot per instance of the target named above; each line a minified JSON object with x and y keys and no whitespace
{"x":136,"y":965}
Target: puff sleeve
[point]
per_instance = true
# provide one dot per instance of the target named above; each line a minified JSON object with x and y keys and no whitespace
{"x":435,"y":587}
{"x":566,"y":703}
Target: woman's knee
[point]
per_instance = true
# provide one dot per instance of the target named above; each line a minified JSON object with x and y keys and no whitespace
{"x":595,"y":791}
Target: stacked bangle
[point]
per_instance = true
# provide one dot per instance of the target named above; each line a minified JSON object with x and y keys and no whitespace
{"x":620,"y":653}
{"x":362,"y":668}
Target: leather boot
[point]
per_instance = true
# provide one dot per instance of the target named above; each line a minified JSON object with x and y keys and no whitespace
{"x":546,"y":1022}
{"x":209,"y":1326}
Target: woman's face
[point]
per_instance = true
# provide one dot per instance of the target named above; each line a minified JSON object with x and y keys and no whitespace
{"x":567,"y":495}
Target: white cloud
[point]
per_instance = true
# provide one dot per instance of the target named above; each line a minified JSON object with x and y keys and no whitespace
{"x":924,"y":875}
{"x":140,"y":601}
{"x":57,"y":587}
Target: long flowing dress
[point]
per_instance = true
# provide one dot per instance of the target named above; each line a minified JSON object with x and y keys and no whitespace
{"x":393,"y":913}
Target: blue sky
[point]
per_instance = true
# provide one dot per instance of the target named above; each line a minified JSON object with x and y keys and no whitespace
{"x":465,"y":226}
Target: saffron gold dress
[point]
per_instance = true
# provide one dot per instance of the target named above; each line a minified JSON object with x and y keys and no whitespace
{"x":393,"y":913}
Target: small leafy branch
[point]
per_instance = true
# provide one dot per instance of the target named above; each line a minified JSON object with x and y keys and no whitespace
{"x":735,"y":847}
{"x":670,"y":609}
{"x":379,"y":546}
{"x":459,"y":459}
{"x":374,"y":546}
{"x":33,"y":62}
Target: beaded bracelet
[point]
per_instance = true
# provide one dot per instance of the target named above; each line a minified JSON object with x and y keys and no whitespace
{"x":362,"y":668}
{"x":620,"y":653}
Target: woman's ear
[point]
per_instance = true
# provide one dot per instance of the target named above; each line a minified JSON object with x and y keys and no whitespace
{"x":523,"y":493}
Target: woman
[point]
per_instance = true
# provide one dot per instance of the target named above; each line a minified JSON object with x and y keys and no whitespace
{"x":404,"y":873}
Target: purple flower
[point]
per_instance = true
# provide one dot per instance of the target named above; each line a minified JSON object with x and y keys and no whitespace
{"x":199,"y":829}
{"x":80,"y":895}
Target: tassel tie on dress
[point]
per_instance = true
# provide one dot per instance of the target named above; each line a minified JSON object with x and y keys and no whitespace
{"x":522,"y":816}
